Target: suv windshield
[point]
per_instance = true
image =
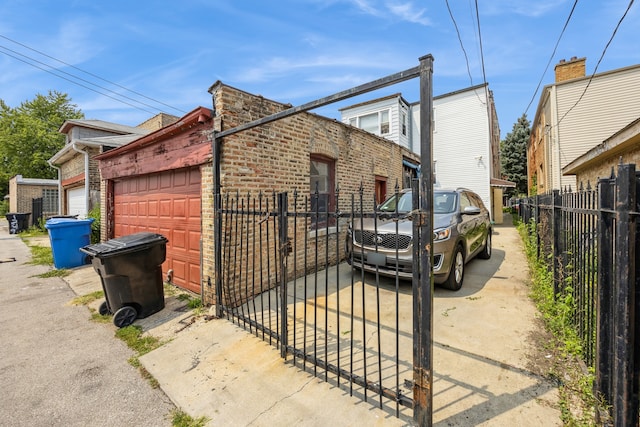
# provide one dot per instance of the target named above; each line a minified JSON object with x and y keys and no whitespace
{"x":443,"y":202}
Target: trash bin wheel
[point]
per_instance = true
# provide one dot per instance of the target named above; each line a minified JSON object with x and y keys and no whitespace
{"x":124,"y":316}
{"x":104,"y":309}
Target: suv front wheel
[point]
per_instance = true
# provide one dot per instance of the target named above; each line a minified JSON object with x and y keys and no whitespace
{"x":456,"y":275}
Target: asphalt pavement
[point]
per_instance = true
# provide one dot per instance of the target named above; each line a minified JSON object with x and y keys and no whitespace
{"x":58,"y":368}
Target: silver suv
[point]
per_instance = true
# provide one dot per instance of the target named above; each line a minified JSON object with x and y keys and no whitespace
{"x":461,"y":231}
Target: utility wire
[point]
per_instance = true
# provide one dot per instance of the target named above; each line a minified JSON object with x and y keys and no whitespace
{"x":484,"y":75}
{"x":455,"y":24}
{"x":72,"y":76}
{"x":552,"y":55}
{"x":76,"y":83}
{"x":599,"y":60}
{"x":466,"y":58}
{"x":90,"y":74}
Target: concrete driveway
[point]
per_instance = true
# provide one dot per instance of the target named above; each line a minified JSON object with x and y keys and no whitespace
{"x":483,"y":353}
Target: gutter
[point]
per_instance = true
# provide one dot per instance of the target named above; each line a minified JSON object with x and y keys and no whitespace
{"x":86,"y":177}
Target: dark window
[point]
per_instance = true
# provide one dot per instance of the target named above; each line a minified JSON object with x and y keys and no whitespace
{"x":322,"y":187}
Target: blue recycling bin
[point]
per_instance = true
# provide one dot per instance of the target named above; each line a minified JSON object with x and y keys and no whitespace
{"x":67,"y":236}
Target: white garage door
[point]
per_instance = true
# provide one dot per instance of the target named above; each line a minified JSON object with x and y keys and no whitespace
{"x":76,"y":202}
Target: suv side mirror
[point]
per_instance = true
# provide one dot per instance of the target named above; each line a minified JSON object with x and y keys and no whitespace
{"x":471,"y":210}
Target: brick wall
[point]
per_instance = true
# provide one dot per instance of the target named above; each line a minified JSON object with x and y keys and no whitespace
{"x":72,"y":174}
{"x":276,"y":158}
{"x":567,"y":70}
{"x":604,"y":168}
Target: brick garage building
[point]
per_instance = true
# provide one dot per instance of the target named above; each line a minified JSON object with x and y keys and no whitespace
{"x":623,"y":147}
{"x":282,"y":156}
{"x":22,"y":191}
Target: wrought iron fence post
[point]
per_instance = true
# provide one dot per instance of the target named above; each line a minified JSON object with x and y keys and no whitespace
{"x":625,"y":406}
{"x":604,"y":301}
{"x":423,"y":288}
{"x":558,"y":234}
{"x":285,"y":249}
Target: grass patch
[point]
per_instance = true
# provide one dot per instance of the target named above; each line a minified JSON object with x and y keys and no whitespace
{"x":132,"y":336}
{"x":180,"y":418}
{"x":577,"y":402}
{"x":41,"y":255}
{"x":63,"y":272}
{"x":87,"y":299}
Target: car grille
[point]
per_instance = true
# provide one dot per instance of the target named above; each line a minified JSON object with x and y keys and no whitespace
{"x":382,"y":240}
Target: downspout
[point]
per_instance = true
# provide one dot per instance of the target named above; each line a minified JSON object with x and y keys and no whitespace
{"x":59,"y":186}
{"x":87,"y":189}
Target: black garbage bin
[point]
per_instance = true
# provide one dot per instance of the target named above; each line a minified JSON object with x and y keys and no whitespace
{"x":18,"y":222}
{"x":130,"y":268}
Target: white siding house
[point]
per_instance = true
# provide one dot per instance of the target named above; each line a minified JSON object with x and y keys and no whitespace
{"x":466,"y":136}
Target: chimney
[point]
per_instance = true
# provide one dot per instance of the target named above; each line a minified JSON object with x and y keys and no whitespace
{"x":572,"y":69}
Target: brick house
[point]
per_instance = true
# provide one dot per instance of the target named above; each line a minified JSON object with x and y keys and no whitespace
{"x":163,"y":181}
{"x":574,"y":115}
{"x":22,"y":191}
{"x":78,"y":173}
{"x":623,"y":147}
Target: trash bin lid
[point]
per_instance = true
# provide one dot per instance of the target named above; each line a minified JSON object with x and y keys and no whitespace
{"x":120,"y":245}
{"x":67,"y":222}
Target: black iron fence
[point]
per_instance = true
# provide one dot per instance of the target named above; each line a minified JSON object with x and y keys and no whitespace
{"x":590,"y":239}
{"x":287,"y":277}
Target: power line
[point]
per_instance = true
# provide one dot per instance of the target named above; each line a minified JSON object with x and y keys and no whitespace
{"x":455,"y":24}
{"x":484,"y":75}
{"x":72,"y":76}
{"x":76,"y":83}
{"x":466,"y":58}
{"x":90,"y":74}
{"x":552,"y":55}
{"x":599,"y":60}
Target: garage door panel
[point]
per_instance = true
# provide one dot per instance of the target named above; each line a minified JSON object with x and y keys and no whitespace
{"x":167,"y":203}
{"x":179,"y":179}
{"x":179,"y":208}
{"x":165,"y":208}
{"x":179,"y":239}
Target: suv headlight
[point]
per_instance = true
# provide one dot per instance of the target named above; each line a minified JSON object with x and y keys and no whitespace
{"x":441,"y":234}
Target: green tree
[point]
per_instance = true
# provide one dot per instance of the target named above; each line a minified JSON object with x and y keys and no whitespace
{"x":29,"y":136}
{"x":513,"y":155}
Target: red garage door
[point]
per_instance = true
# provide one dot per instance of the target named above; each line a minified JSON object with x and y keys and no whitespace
{"x":167,"y":203}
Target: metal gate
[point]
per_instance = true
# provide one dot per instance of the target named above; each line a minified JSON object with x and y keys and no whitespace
{"x":281,"y":273}
{"x":298,"y":290}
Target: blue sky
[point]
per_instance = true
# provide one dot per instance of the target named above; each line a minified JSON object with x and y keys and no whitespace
{"x":167,"y":54}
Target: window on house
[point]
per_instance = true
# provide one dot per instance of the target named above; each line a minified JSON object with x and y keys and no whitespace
{"x":49,"y":200}
{"x":384,"y":122}
{"x":376,"y":123}
{"x":369,"y":122}
{"x":403,"y":124}
{"x":322,"y":187}
{"x":433,"y":120}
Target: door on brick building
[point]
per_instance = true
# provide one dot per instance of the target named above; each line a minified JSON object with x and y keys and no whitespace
{"x":167,"y":203}
{"x":381,"y":189}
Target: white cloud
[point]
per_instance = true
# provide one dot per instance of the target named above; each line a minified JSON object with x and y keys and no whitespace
{"x":408,"y":12}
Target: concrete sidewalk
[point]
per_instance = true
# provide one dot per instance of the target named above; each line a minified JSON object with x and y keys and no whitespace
{"x":483,"y":354}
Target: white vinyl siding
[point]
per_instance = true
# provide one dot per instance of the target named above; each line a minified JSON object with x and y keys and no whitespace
{"x":589,"y":123}
{"x":462,"y":145}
